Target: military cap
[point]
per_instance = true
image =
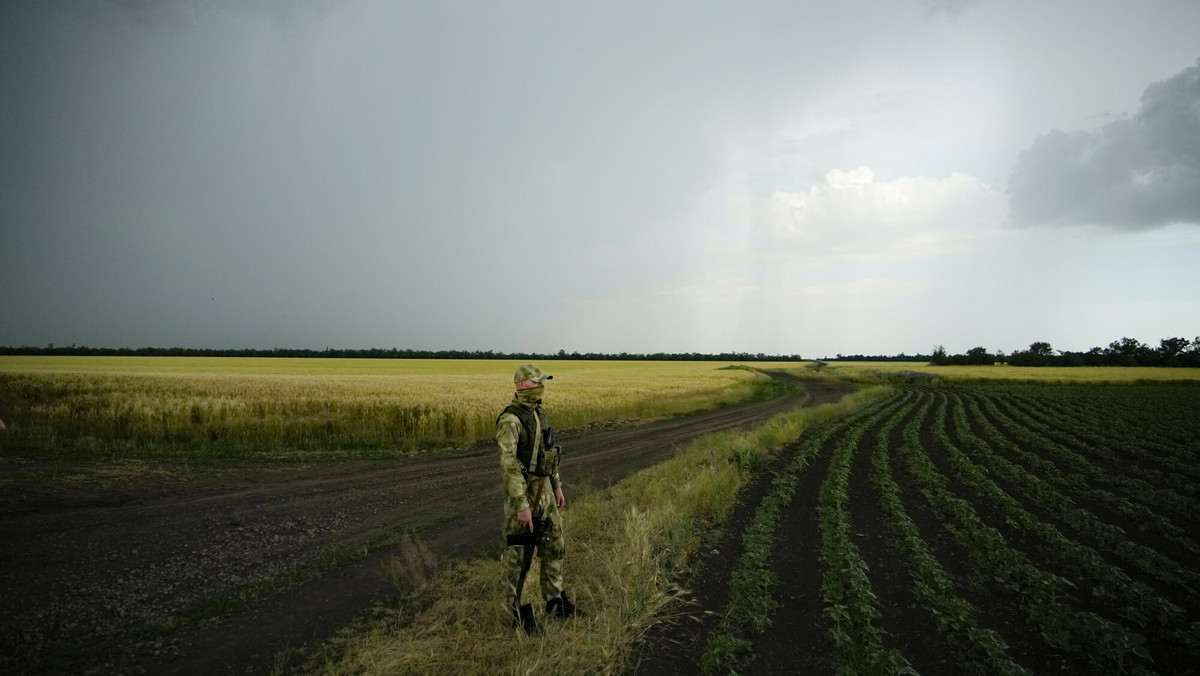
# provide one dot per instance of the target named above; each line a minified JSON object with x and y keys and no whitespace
{"x":530,"y":372}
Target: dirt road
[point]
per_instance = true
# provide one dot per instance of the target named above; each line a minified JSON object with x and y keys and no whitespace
{"x":86,"y":570}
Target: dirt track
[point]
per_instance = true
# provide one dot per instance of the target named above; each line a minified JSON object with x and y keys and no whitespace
{"x":84,"y":570}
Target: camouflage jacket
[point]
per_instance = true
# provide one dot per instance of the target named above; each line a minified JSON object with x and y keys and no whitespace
{"x":508,"y":436}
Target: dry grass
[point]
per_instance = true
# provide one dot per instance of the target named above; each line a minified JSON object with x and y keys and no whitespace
{"x":410,"y":571}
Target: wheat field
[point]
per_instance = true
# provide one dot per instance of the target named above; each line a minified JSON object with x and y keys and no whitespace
{"x":168,"y":406}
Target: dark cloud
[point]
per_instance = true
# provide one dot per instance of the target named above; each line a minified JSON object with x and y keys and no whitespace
{"x":1134,"y":173}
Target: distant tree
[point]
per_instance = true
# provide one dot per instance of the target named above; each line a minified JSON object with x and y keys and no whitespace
{"x":1071,"y":359}
{"x":1039,"y":354}
{"x":1170,"y":350}
{"x":1041,"y":350}
{"x":939,"y":356}
{"x":979,"y":356}
{"x":1190,"y":356}
{"x":1126,"y":352}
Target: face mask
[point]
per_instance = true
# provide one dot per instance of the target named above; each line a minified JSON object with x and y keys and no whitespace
{"x":531,"y":396}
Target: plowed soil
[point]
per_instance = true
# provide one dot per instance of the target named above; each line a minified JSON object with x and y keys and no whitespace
{"x":90,"y":573}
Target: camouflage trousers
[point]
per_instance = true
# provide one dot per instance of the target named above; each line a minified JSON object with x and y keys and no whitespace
{"x":550,"y":556}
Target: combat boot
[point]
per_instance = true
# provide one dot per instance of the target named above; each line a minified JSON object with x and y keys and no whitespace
{"x":524,"y":619}
{"x":560,"y":607}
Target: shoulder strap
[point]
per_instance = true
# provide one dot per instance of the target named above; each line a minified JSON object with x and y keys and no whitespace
{"x":526,"y":441}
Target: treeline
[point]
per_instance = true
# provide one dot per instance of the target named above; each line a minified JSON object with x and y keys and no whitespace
{"x":879,"y":357}
{"x":393,"y":353}
{"x":1123,"y":352}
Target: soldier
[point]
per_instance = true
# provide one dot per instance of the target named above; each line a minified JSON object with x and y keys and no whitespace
{"x":533,"y":496}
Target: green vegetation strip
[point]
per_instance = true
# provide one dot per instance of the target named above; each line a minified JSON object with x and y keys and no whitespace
{"x":850,"y":603}
{"x":627,"y":548}
{"x":983,"y":651}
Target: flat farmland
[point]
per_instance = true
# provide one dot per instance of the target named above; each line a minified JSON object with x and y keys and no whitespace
{"x":964,"y":528}
{"x":973,"y":522}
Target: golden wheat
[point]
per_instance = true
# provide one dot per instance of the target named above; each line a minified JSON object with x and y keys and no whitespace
{"x":162,"y":405}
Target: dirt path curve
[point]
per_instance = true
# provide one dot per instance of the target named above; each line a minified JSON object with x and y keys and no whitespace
{"x":83,"y":570}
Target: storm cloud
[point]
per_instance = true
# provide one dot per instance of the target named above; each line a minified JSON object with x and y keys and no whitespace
{"x":1134,"y":173}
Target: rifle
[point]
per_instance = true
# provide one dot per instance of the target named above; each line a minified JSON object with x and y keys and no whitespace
{"x":523,"y":538}
{"x":546,"y":465}
{"x":529,"y":540}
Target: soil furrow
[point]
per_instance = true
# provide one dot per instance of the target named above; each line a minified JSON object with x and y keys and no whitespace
{"x":909,"y":627}
{"x":795,"y":641}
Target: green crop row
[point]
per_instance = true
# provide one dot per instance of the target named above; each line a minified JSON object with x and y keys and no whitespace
{"x":1135,"y":601}
{"x":1076,"y":468}
{"x":983,"y":651}
{"x":1045,"y":597}
{"x":751,"y":586}
{"x":1054,"y":438}
{"x":1118,"y":438}
{"x":1029,"y":433}
{"x":1106,"y":446}
{"x":1021,"y":480}
{"x":1032,"y":478}
{"x":850,"y":604}
{"x":1154,"y":413}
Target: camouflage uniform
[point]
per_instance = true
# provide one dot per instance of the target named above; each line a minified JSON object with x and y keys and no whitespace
{"x":518,"y":490}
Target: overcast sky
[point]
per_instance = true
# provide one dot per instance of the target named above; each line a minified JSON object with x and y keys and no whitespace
{"x":783,"y":177}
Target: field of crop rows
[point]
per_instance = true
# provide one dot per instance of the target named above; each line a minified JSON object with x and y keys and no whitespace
{"x":982,"y":529}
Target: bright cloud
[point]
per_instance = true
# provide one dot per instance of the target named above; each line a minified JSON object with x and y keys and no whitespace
{"x":852,"y":212}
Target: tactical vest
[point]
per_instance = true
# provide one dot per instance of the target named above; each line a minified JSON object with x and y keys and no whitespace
{"x":525,"y":440}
